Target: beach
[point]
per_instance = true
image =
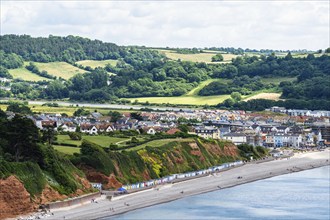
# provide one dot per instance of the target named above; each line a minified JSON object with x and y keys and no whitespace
{"x":249,"y":172}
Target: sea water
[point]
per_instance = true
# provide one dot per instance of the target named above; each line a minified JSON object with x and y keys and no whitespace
{"x":301,"y":195}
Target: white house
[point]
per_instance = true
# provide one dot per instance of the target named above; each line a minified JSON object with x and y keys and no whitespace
{"x":236,"y":138}
{"x":88,"y":128}
{"x":68,"y":127}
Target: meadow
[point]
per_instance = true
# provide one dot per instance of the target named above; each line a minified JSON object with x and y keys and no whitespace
{"x":59,"y":69}
{"x":97,"y":63}
{"x":24,"y":74}
{"x":198,"y":57}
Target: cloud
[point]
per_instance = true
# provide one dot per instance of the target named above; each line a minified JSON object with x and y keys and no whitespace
{"x":256,"y":24}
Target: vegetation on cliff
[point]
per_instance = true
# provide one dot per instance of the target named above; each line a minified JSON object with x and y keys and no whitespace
{"x":23,"y":154}
{"x":152,"y":162}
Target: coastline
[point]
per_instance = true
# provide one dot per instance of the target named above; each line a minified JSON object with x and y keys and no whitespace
{"x":165,"y":193}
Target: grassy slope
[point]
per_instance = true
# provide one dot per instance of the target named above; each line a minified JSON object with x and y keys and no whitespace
{"x":159,"y":143}
{"x":97,"y":63}
{"x":59,"y":69}
{"x":24,"y":74}
{"x":192,"y":98}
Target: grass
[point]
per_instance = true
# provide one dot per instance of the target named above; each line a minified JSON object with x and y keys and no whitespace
{"x":198,"y":57}
{"x":59,"y":69}
{"x":277,"y":80}
{"x":190,"y":98}
{"x":102,"y":140}
{"x":159,"y":143}
{"x":97,"y":63}
{"x":184,"y":100}
{"x":24,"y":74}
{"x":67,"y":150}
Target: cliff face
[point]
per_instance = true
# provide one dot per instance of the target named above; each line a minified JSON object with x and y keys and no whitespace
{"x":14,"y":198}
{"x":116,"y":168}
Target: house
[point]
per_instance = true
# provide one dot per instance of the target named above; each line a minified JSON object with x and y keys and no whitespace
{"x":88,"y":129}
{"x":276,"y":153}
{"x":172,"y":131}
{"x":151,"y":131}
{"x":236,"y":138}
{"x":68,"y":127}
{"x":48,"y":124}
{"x":105,"y":128}
{"x":207,"y":132}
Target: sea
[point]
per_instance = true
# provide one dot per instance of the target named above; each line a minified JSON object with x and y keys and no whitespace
{"x":295,"y":196}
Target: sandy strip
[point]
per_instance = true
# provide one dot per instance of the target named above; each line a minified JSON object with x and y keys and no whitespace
{"x":249,"y":172}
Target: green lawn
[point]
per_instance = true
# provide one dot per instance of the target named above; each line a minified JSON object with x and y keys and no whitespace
{"x":24,"y":74}
{"x":59,"y":69}
{"x":102,"y":140}
{"x":97,"y":63}
{"x":67,"y":150}
{"x":159,"y":143}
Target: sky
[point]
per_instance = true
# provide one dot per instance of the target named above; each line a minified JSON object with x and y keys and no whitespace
{"x":267,"y":24}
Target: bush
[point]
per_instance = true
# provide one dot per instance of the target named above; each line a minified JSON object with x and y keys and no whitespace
{"x":75,"y":136}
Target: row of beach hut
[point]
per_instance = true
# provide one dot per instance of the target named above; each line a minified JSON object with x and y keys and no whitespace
{"x":171,"y":178}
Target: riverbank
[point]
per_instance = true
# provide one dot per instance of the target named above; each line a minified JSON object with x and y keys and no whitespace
{"x":169,"y":192}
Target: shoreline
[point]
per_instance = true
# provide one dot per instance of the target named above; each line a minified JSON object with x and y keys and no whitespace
{"x":169,"y":192}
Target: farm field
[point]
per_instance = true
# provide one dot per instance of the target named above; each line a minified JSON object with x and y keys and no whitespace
{"x":184,"y":100}
{"x":199,"y":57}
{"x":159,"y":143}
{"x":272,"y":96}
{"x":59,"y":69}
{"x":24,"y":74}
{"x":67,"y":150}
{"x":97,"y":63}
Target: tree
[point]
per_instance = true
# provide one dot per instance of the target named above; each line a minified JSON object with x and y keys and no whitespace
{"x":48,"y":135}
{"x":115,"y":116}
{"x":217,"y":58}
{"x":81,"y":112}
{"x":75,"y":136}
{"x":136,"y":116}
{"x":236,"y":96}
{"x":22,"y":136}
{"x":19,"y":108}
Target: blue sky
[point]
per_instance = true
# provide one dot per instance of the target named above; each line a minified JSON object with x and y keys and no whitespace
{"x":247,"y":24}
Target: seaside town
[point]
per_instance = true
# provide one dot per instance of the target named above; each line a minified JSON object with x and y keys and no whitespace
{"x":291,"y":128}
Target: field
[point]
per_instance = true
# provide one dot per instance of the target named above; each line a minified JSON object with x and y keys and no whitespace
{"x":158,"y":143}
{"x":97,"y":63}
{"x":277,"y":80}
{"x":103,"y":141}
{"x":184,"y":100}
{"x":24,"y":74}
{"x":59,"y":69}
{"x":67,"y":150}
{"x":199,"y":57}
{"x":264,"y":95}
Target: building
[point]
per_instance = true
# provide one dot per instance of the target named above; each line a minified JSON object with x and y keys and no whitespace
{"x":207,"y":132}
{"x":236,"y":138}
